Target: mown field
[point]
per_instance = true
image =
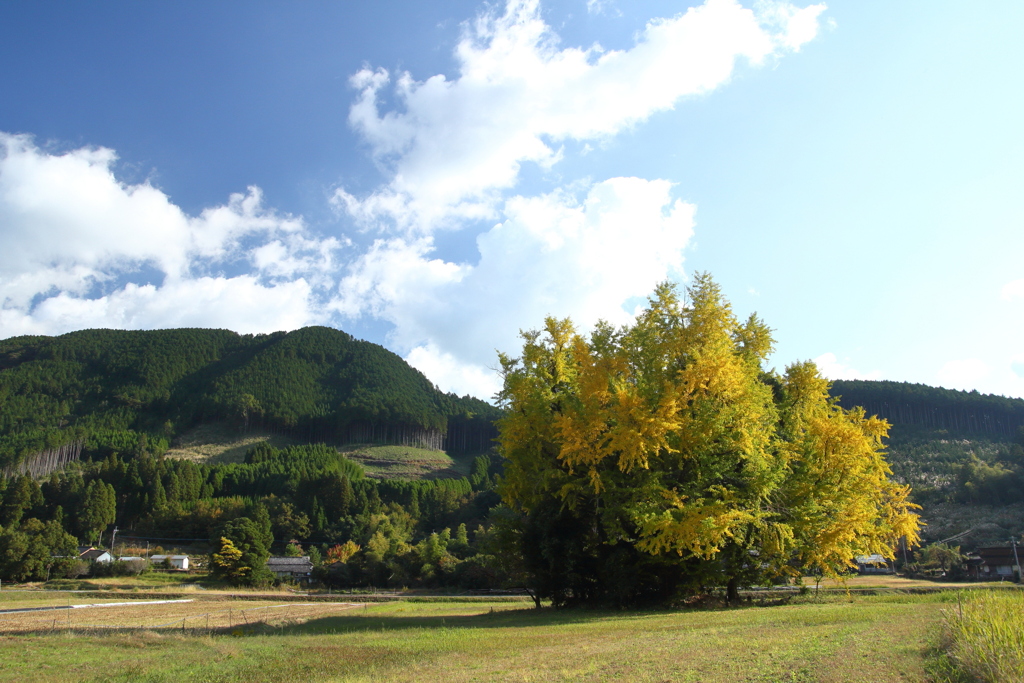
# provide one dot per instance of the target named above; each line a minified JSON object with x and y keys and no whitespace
{"x":834,"y":638}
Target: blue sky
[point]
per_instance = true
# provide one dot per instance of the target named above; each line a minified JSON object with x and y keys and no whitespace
{"x":436,"y":176}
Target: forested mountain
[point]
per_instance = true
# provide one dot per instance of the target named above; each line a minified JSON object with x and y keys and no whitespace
{"x":86,"y":419}
{"x":962,"y":452}
{"x":109,"y":388}
{"x":93,"y":412}
{"x":959,"y":413}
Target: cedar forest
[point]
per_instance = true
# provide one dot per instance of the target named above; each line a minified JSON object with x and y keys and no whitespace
{"x":635,"y":465}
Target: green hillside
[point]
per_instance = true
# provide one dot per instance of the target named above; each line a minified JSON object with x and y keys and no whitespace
{"x":962,"y":452}
{"x":105,"y":389}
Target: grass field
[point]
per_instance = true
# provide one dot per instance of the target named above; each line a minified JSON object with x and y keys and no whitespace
{"x":874,"y":638}
{"x":406,"y":462}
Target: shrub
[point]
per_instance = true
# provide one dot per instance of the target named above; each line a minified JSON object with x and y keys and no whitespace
{"x":118,"y":568}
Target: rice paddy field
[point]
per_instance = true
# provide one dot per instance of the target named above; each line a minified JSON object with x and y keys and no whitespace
{"x":835,"y":637}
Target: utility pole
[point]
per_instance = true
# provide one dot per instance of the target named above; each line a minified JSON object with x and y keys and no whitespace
{"x":1016,"y":560}
{"x":112,"y":537}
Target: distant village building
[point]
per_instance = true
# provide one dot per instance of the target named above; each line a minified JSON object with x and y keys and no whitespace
{"x":95,"y":555}
{"x":176,"y":561}
{"x":873,"y":564}
{"x":291,"y":568}
{"x":994,"y":563}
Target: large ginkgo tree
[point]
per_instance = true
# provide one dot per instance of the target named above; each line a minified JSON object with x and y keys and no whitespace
{"x":661,"y":458}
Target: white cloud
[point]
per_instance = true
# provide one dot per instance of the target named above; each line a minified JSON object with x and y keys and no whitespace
{"x":455,"y":145}
{"x":452,"y":374}
{"x":552,"y":255}
{"x":832,"y":368}
{"x":74,"y":239}
{"x":239,"y":303}
{"x":1013,"y":290}
{"x":963,"y":374}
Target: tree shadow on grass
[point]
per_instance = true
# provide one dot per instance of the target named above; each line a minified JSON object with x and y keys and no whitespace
{"x":514,"y":618}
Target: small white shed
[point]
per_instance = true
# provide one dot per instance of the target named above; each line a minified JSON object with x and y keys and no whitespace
{"x":176,"y":561}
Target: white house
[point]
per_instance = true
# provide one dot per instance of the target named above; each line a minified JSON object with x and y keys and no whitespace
{"x":96,"y":555}
{"x":176,"y":561}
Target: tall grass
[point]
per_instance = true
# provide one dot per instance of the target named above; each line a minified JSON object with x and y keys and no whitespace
{"x":983,"y":637}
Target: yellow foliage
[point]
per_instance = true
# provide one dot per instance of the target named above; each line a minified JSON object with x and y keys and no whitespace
{"x":672,"y":429}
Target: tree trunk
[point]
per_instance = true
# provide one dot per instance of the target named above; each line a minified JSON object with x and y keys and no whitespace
{"x":732,"y":590}
{"x":535,"y":596}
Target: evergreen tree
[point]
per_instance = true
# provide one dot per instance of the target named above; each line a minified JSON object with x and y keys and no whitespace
{"x":97,"y":511}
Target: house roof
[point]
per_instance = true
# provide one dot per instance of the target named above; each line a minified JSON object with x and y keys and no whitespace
{"x":998,"y":554}
{"x":290,"y":563}
{"x":94,"y":554}
{"x":160,"y":558}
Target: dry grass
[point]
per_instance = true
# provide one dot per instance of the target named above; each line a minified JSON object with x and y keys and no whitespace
{"x":195,"y":614}
{"x":893,"y":582}
{"x":879,"y":638}
{"x":404,"y":462}
{"x":218,"y":443}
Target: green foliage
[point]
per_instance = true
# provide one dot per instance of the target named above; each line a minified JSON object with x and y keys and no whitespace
{"x":97,"y":510}
{"x":939,"y":558}
{"x":994,"y":483}
{"x":244,"y":549}
{"x":34,"y":550}
{"x":111,"y":388}
{"x":122,"y":396}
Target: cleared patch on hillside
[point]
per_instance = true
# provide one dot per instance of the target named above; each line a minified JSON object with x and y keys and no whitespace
{"x":218,"y":443}
{"x":404,"y":462}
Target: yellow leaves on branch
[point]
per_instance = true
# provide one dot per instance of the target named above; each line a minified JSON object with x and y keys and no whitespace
{"x":675,"y":422}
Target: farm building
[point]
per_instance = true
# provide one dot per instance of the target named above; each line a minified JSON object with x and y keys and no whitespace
{"x":294,"y":568}
{"x":995,"y":563}
{"x":176,"y":561}
{"x":873,"y":564}
{"x":95,"y":555}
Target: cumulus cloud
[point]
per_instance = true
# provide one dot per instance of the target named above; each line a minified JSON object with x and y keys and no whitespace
{"x":75,"y":240}
{"x":831,"y":367}
{"x":453,"y":146}
{"x":552,"y":255}
{"x":963,"y":373}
